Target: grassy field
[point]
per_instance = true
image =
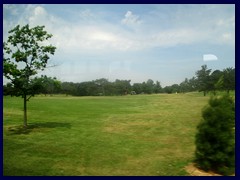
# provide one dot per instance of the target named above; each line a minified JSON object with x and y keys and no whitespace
{"x":125,"y":135}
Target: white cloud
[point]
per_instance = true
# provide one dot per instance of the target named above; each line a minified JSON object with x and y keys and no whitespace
{"x":39,"y":11}
{"x":89,"y":38}
{"x":10,"y":8}
{"x":227,"y":36}
{"x":209,"y":57}
{"x":131,"y":19}
{"x":226,"y":22}
{"x":108,"y":36}
{"x":86,"y":14}
{"x":169,"y":38}
{"x":39,"y":16}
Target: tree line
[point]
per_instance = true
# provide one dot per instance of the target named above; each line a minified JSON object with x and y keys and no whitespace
{"x":205,"y":81}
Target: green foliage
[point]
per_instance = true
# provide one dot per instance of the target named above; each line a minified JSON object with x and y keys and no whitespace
{"x":229,"y":79}
{"x":215,"y":139}
{"x":47,"y":85}
{"x":104,"y":87}
{"x":24,"y":55}
{"x":215,"y":81}
{"x":219,"y":83}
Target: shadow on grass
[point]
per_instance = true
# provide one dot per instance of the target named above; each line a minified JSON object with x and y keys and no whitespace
{"x":36,"y":126}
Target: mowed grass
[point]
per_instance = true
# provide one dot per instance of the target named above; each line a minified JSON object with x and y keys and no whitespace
{"x":125,"y":135}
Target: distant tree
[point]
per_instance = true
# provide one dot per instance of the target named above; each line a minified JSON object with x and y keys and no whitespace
{"x":219,"y":84}
{"x":109,"y":89}
{"x":175,"y":88}
{"x":88,"y":88}
{"x":149,"y":86}
{"x":68,"y":88}
{"x":144,"y":87}
{"x":157,"y":88}
{"x":168,"y":89}
{"x":48,"y":85}
{"x":122,"y":87}
{"x":184,"y":86}
{"x":137,"y":87}
{"x":188,"y":85}
{"x":193,"y":84}
{"x":203,"y":79}
{"x":215,"y":138}
{"x":215,"y":81}
{"x":25,"y":53}
{"x":229,"y":79}
{"x":92,"y":89}
{"x":102,"y":84}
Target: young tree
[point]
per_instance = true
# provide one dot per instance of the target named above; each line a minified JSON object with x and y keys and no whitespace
{"x":215,"y":139}
{"x":24,"y":54}
{"x":203,"y":78}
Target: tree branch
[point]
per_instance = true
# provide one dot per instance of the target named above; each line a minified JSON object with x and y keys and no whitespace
{"x":52,"y":66}
{"x":29,"y":97}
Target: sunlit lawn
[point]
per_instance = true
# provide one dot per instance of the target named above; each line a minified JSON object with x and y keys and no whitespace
{"x":124,"y":135}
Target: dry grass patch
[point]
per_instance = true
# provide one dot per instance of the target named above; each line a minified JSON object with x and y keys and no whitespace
{"x":128,"y":123}
{"x":194,"y":171}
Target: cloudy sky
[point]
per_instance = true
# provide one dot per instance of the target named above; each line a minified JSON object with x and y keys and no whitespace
{"x":139,"y":42}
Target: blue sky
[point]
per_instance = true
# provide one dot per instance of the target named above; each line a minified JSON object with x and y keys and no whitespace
{"x":161,"y":42}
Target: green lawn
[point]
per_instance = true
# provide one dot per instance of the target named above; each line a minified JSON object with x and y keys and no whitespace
{"x":125,"y":135}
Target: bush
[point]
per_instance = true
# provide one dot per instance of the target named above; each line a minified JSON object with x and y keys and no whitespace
{"x":215,"y":139}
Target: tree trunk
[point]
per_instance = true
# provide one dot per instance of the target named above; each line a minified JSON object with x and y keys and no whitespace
{"x":25,"y":111}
